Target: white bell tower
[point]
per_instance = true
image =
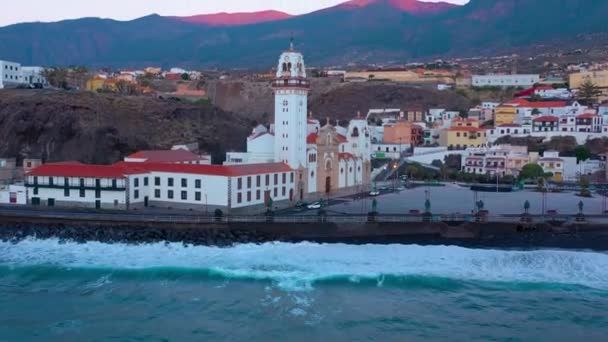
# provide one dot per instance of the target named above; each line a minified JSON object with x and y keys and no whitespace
{"x":290,"y":109}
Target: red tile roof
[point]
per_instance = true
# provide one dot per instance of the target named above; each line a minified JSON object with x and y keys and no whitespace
{"x":536,"y":104}
{"x":346,"y":156}
{"x":85,"y":171}
{"x":546,"y":118}
{"x":466,"y":129}
{"x":212,"y":170}
{"x":587,"y":116}
{"x":167,"y":156}
{"x":312,"y":138}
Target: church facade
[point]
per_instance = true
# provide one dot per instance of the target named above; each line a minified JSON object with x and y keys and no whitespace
{"x":326,"y":159}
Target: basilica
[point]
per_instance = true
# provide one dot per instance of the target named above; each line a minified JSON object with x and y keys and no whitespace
{"x":326,"y":159}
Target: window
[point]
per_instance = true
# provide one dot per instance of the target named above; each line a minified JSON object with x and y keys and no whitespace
{"x":276,"y":179}
{"x":157,"y":193}
{"x":170,"y":181}
{"x":184,"y":195}
{"x":284,"y":178}
{"x":239,"y":198}
{"x":66,"y":192}
{"x":51,"y":181}
{"x":82,"y":193}
{"x":145,"y":181}
{"x":239,"y":183}
{"x":197,"y":196}
{"x":258,"y":181}
{"x":197,"y":184}
{"x":248,"y":196}
{"x":291,"y":177}
{"x":249,"y":182}
{"x":136,"y":194}
{"x":457,"y":134}
{"x":114,"y":183}
{"x":284,"y":191}
{"x":184,"y":183}
{"x":258,"y":195}
{"x":276,"y":192}
{"x":136,"y":182}
{"x":35,"y":179}
{"x":36,"y":191}
{"x":267,"y":180}
{"x":170,"y":194}
{"x":157,"y":181}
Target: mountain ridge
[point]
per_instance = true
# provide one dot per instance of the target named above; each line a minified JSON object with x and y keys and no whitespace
{"x":375,"y":33}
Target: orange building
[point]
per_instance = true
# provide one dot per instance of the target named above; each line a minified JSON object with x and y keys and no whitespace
{"x":398,"y":133}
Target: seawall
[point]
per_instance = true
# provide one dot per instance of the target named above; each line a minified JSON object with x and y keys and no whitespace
{"x":467,"y":234}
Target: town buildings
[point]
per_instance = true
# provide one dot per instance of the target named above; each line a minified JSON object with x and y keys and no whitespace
{"x":13,"y":75}
{"x":504,"y":80}
{"x":325,"y":159}
{"x":174,"y":156}
{"x":464,"y":133}
{"x":128,"y":185}
{"x":499,"y":160}
{"x":598,"y":78}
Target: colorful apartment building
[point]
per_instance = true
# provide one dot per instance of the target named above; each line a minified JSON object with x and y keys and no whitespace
{"x":463,"y":133}
{"x":398,"y":133}
{"x":598,"y":78}
{"x":505,"y":115}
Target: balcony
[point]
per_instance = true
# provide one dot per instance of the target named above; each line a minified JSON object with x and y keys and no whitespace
{"x":291,"y":83}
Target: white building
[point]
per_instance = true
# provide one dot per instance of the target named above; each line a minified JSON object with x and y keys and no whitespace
{"x":13,"y":195}
{"x":11,"y":75}
{"x":180,"y":186}
{"x":299,"y":141}
{"x":175,"y":156}
{"x":504,"y":80}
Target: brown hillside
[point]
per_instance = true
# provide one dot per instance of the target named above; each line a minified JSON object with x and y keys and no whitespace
{"x":102,"y":128}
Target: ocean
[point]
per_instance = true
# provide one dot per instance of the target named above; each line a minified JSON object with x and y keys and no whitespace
{"x":53,"y":290}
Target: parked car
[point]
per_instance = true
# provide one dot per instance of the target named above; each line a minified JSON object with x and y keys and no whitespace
{"x":374,"y":193}
{"x":315,"y":205}
{"x":301,"y":204}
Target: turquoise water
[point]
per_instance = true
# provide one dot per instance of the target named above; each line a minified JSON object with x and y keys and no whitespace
{"x":54,"y":291}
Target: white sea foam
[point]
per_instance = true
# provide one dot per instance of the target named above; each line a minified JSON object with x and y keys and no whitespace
{"x":298,"y":266}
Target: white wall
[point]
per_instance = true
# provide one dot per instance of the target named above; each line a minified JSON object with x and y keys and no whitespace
{"x":18,"y":192}
{"x":213,"y":190}
{"x":10,"y":74}
{"x":273,"y":184}
{"x":504,"y":80}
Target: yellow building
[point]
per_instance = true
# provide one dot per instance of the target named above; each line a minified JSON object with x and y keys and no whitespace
{"x":95,"y":83}
{"x":598,"y":78}
{"x":463,"y":133}
{"x":505,"y":115}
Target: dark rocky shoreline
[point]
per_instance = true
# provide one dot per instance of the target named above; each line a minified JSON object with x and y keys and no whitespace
{"x":501,"y":236}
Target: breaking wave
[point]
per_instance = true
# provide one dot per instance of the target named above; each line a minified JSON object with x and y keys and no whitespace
{"x":302,"y":266}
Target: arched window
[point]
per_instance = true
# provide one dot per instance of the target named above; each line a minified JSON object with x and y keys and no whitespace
{"x":355,"y":132}
{"x":312,"y":174}
{"x":284,"y":67}
{"x":289,"y":67}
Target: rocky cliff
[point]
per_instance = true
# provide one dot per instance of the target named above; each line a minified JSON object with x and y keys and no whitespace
{"x":102,"y":128}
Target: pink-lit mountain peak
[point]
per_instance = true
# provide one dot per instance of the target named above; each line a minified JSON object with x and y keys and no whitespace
{"x":235,"y":19}
{"x":409,"y":6}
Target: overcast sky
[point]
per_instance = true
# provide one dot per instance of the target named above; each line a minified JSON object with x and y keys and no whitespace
{"x":53,"y":10}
